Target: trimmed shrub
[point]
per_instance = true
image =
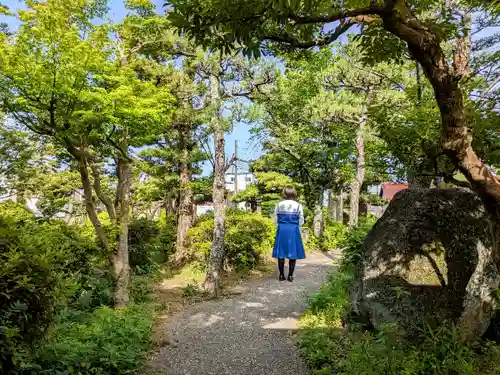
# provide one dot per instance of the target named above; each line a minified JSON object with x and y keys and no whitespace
{"x":248,"y":237}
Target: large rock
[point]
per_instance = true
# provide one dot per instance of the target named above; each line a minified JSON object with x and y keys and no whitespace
{"x":428,"y":259}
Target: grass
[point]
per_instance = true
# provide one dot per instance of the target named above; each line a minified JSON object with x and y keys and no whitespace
{"x":329,"y":348}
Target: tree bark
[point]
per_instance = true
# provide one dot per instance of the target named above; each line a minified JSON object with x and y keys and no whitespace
{"x":214,"y":268}
{"x":121,"y":257}
{"x":90,"y":207}
{"x":318,"y":220}
{"x":340,"y":206}
{"x":456,"y":140}
{"x":108,"y":203}
{"x":360,"y":165}
{"x":185,"y":213}
{"x":332,"y":205}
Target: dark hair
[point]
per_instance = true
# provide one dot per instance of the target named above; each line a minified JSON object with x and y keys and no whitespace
{"x":289,"y":192}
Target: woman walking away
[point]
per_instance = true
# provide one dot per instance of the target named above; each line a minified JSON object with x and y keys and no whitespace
{"x":289,"y":217}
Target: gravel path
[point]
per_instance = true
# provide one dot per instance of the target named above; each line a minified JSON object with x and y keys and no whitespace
{"x":250,"y":334}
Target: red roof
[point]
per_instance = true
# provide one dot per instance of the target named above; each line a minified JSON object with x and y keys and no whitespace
{"x":389,"y":189}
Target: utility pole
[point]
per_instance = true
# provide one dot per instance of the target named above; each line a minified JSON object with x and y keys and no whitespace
{"x":235,"y":167}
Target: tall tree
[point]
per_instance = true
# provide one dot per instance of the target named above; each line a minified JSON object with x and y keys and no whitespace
{"x":231,"y":82}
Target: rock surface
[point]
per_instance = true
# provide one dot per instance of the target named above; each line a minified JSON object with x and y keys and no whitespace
{"x":428,"y":259}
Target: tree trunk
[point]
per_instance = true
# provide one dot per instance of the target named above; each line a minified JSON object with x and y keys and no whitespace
{"x":340,"y":206}
{"x":360,"y":165}
{"x":121,"y":257}
{"x":332,"y":205}
{"x":185,"y":216}
{"x":90,"y":205}
{"x":213,"y":276}
{"x":169,"y":205}
{"x":318,"y":220}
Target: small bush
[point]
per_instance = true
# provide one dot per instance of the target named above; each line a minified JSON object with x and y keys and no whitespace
{"x":248,"y":238}
{"x":106,"y":341}
{"x":352,"y":243}
{"x":141,"y":289}
{"x":150,"y":243}
{"x":334,"y":235}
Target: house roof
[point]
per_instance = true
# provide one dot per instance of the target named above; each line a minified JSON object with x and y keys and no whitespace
{"x":389,"y":189}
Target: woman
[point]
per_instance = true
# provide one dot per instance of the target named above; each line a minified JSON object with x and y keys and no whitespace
{"x":289,"y":217}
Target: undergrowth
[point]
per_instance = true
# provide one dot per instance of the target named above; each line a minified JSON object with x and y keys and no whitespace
{"x":106,"y":341}
{"x":330,"y":348}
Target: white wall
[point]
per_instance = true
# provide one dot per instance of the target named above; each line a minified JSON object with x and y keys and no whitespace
{"x":244,"y":180}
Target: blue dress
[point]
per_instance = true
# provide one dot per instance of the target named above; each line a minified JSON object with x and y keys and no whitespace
{"x":288,"y":243}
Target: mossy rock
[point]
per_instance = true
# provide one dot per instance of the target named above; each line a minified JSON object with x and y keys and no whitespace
{"x":419,"y":258}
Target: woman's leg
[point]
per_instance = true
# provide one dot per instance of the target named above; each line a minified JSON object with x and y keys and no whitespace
{"x":281,"y":268}
{"x":291,"y":268}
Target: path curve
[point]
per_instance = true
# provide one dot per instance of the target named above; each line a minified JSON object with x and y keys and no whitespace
{"x":250,"y":334}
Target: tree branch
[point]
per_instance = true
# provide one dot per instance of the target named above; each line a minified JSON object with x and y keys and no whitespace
{"x":100,"y":194}
{"x":294,"y":42}
{"x":359,"y":14}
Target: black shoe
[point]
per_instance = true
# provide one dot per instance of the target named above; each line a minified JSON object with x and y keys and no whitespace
{"x":282,"y":278}
{"x":290,"y":278}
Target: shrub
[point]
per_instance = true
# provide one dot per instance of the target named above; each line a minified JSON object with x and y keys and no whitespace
{"x":150,"y":243}
{"x":248,"y":237}
{"x":105,"y":342}
{"x":352,"y":243}
{"x":333,"y":235}
{"x":41,"y":264}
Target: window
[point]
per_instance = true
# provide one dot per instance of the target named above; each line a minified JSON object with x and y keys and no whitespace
{"x":248,"y":179}
{"x":231,"y":179}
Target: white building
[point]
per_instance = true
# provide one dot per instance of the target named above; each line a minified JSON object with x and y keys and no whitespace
{"x":245,"y":178}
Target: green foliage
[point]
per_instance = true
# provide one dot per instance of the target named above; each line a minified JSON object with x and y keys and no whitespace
{"x":42,"y":263}
{"x":150,"y":243}
{"x":329,"y":348}
{"x":141,"y":289}
{"x":352,"y":244}
{"x":334,"y":234}
{"x":248,"y":238}
{"x":106,"y":341}
{"x":268,"y":191}
{"x":53,"y":314}
{"x":373,"y":199}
